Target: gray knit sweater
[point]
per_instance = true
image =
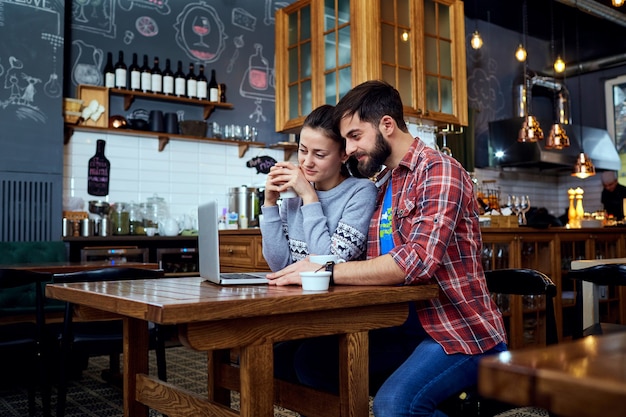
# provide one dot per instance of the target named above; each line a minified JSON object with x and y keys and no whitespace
{"x":337,"y":224}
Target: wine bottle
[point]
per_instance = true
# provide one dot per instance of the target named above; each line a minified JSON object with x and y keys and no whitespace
{"x":192,"y":83}
{"x":120,"y":71}
{"x":135,"y":74}
{"x":157,"y":77}
{"x":146,"y":76}
{"x":168,"y":78}
{"x":109,"y":72}
{"x":180,"y":81}
{"x":98,"y":172}
{"x":201,"y":84}
{"x":214,"y":92}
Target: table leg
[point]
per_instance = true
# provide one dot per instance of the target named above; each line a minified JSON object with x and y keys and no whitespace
{"x":135,"y":362}
{"x":353,"y":374}
{"x":256,"y":363}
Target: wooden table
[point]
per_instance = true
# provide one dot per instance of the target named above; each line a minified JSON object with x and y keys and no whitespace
{"x":584,"y":378}
{"x":250,"y":319}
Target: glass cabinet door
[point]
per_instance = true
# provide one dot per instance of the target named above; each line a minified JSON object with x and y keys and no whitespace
{"x":325,"y":47}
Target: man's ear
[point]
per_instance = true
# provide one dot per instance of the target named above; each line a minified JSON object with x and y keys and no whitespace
{"x":387,"y":125}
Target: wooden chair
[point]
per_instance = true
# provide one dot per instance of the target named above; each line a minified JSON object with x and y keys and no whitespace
{"x":508,"y":282}
{"x":101,"y":337}
{"x":612,"y":274}
{"x":23,"y":341}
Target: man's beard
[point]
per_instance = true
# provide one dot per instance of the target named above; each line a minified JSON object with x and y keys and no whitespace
{"x":376,"y":158}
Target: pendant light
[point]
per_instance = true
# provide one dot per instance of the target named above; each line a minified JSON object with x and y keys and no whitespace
{"x":617,"y":3}
{"x":530,"y":130}
{"x":557,"y":138}
{"x":583,"y":168}
{"x":477,"y":41}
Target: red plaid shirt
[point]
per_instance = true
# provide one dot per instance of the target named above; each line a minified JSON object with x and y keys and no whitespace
{"x":437,"y":238}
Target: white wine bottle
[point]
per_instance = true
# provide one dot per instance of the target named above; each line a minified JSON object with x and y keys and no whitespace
{"x":201,"y":84}
{"x":214,"y":92}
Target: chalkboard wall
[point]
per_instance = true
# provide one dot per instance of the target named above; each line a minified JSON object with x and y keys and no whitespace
{"x":239,"y":39}
{"x":31,"y":122}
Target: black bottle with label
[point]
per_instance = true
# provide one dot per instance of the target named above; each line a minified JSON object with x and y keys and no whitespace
{"x":201,"y":84}
{"x":214,"y":92}
{"x":180,"y":81}
{"x":192,"y":83}
{"x":146,"y":76}
{"x":157,"y":77}
{"x":109,"y":72}
{"x":135,"y":74}
{"x":98,"y":173}
{"x":120,"y":72}
{"x":168,"y":79}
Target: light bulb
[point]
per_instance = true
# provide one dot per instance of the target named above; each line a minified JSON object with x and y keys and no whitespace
{"x":520,"y":53}
{"x":559,"y":64}
{"x":476,"y":41}
{"x":617,"y":3}
{"x":405,"y":36}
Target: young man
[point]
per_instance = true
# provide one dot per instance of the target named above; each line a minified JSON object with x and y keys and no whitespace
{"x":424,"y":229}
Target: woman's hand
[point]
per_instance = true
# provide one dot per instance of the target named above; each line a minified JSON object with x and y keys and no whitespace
{"x":290,"y":275}
{"x":284,"y":175}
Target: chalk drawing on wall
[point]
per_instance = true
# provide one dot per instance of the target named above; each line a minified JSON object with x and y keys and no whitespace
{"x":53,"y":88}
{"x":242,"y":19}
{"x":484,"y":94}
{"x":128,"y":37}
{"x":270,"y":9}
{"x":22,"y":92}
{"x":146,"y":26}
{"x":239,"y":43}
{"x":96,"y":16}
{"x":200,"y":32}
{"x":160,"y":6}
{"x":258,"y":82}
{"x":86,"y":68}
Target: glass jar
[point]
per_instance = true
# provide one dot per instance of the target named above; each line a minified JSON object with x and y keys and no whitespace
{"x":136,"y":219}
{"x":157,"y":207}
{"x":120,"y":219}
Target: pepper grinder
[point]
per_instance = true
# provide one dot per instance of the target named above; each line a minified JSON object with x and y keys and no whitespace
{"x":571,"y":213}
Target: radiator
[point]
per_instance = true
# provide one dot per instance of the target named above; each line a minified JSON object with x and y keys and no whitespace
{"x":30,"y":207}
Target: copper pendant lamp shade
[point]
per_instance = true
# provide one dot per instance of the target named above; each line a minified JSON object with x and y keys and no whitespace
{"x":530,"y":131}
{"x":583,"y":168}
{"x":557,"y":138}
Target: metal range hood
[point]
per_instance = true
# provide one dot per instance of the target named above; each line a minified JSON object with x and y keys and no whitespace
{"x":506,"y":151}
{"x":597,"y":144}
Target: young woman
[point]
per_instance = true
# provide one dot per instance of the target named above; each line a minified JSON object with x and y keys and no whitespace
{"x":332,"y":210}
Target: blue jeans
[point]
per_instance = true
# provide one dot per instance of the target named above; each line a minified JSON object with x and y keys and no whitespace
{"x":425,"y":379}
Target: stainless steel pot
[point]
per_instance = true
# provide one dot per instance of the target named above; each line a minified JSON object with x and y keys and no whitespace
{"x":245,"y":200}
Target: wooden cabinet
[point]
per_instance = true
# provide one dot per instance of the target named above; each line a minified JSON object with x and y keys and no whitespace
{"x":241,"y":251}
{"x":551,"y":252}
{"x":325,"y":47}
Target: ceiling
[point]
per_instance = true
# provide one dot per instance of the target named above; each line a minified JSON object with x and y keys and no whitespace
{"x":600,"y":38}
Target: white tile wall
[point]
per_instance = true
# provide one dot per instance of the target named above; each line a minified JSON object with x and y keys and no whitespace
{"x":186,"y":173}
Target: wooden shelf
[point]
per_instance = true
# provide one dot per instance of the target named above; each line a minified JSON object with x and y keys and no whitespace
{"x":163,"y":138}
{"x":288,"y":147}
{"x":130,"y":95}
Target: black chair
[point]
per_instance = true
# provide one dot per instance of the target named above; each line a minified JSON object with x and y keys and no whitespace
{"x":508,"y":282}
{"x":102,"y":337}
{"x":23,"y":341}
{"x":599,"y":275}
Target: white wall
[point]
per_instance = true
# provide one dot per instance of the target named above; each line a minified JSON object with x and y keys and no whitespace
{"x":185,"y":173}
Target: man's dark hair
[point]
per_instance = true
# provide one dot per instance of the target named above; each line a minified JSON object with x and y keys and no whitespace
{"x":370,"y":101}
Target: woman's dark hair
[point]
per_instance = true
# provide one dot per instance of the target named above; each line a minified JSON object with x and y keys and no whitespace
{"x":322,"y":119}
{"x":371,"y":101}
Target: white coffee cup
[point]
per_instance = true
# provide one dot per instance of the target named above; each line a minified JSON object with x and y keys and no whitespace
{"x":288,"y":193}
{"x":322,"y":259}
{"x":315,"y":280}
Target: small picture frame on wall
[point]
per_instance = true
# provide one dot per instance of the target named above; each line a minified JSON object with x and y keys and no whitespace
{"x":615,"y":98}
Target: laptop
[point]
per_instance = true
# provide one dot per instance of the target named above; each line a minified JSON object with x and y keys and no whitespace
{"x":209,"y":252}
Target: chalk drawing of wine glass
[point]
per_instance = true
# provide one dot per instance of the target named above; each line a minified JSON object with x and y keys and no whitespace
{"x":81,"y":14}
{"x":201,"y":27}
